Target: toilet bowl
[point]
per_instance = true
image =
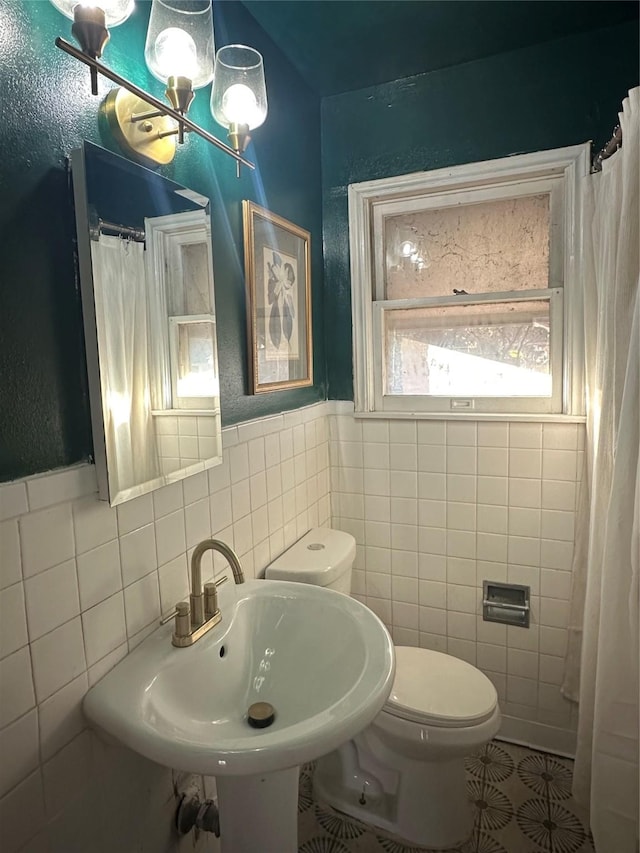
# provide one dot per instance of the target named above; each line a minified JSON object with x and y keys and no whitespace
{"x":405,"y":772}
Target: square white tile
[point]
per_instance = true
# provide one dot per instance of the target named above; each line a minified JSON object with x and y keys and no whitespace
{"x":99,"y":574}
{"x":403,"y":484}
{"x":94,"y":523}
{"x":493,"y":434}
{"x":525,"y":463}
{"x":493,"y":462}
{"x":51,"y":598}
{"x":16,"y":693}
{"x":493,"y":491}
{"x":104,"y":628}
{"x":431,"y":432}
{"x":19,"y":750}
{"x":461,"y":433}
{"x":134,"y":514}
{"x":559,"y":464}
{"x":142,"y":604}
{"x":13,"y":619}
{"x":525,"y":435}
{"x":138,"y":552}
{"x":197,"y":522}
{"x":170,"y":537}
{"x":61,"y":717}
{"x":46,"y":538}
{"x":10,"y":560}
{"x":58,"y":658}
{"x":432,"y":459}
{"x":195,"y":488}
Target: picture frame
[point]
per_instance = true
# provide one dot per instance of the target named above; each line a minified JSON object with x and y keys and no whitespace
{"x":277,"y":257}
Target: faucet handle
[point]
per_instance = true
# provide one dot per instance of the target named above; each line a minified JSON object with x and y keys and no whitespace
{"x":210,"y":600}
{"x":168,"y":616}
{"x":181,"y":612}
{"x":211,"y":597}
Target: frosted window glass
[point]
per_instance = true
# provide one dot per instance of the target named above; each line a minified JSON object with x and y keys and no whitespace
{"x":479,"y":248}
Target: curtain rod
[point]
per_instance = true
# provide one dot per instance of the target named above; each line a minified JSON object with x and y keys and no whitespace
{"x":113,"y":230}
{"x":610,"y":148}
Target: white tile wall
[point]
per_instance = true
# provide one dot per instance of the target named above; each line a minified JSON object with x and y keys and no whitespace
{"x":437,"y":507}
{"x":82,"y":583}
{"x":184,"y":440}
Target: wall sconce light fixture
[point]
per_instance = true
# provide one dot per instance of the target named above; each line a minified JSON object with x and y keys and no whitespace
{"x":180,"y":52}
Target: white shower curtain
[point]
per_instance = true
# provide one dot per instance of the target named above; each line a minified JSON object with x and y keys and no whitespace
{"x":123,"y":331}
{"x":606,"y":563}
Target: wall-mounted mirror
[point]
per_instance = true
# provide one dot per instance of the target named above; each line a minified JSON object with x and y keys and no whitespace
{"x":146,"y":273}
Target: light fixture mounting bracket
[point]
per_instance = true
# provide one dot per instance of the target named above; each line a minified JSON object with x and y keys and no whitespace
{"x":152,"y":141}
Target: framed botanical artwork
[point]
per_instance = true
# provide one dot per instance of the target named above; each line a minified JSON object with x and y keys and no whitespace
{"x":278,"y":277}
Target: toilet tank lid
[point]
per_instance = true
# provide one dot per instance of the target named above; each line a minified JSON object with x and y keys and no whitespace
{"x":320,"y":557}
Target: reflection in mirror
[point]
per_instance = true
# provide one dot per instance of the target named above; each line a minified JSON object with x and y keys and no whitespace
{"x":146,"y":271}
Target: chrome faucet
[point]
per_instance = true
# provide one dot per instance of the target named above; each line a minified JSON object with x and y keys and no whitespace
{"x":194,"y":618}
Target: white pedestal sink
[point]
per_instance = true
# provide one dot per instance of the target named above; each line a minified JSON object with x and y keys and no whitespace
{"x":323,"y":660}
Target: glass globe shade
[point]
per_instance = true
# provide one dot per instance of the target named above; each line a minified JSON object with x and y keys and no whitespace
{"x":180,"y":40}
{"x":239,"y":94}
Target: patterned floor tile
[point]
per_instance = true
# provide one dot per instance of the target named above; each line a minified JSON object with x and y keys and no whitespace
{"x":550,"y":826}
{"x":338,"y":825}
{"x":522,"y":799}
{"x":545,"y":776}
{"x":494,"y":807}
{"x":492,"y":763}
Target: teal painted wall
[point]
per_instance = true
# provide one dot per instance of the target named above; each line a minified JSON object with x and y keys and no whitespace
{"x":47,"y":111}
{"x":555,"y":94}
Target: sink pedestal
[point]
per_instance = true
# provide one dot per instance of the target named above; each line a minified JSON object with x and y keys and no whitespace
{"x":259,"y":812}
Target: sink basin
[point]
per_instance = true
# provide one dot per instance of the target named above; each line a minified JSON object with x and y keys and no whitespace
{"x":324,"y":662}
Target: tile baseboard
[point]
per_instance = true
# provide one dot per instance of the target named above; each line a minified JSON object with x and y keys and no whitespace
{"x":538,"y":736}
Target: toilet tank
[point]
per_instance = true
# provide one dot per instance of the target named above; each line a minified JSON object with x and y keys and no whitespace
{"x":323,"y":557}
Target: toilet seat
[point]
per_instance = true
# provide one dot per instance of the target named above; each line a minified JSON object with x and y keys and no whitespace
{"x":432,"y":688}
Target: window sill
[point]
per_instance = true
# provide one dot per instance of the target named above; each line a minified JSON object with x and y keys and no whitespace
{"x":473,"y":416}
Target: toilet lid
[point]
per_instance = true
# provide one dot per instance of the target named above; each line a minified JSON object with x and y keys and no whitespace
{"x":431,"y":687}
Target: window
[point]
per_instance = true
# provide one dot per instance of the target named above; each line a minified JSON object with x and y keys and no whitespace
{"x":183,"y":347}
{"x":464,"y":290}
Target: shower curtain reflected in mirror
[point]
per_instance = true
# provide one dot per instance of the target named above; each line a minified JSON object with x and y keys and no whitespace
{"x":123,"y":332}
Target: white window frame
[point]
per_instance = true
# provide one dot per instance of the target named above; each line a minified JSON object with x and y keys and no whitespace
{"x":560,"y":173}
{"x":165,"y":235}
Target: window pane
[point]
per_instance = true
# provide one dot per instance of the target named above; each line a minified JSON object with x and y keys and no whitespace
{"x":489,"y":350}
{"x":197,"y":279}
{"x":480,"y":248}
{"x":196,"y":375}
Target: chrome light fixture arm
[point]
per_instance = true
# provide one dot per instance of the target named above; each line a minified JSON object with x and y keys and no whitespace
{"x":162,"y":108}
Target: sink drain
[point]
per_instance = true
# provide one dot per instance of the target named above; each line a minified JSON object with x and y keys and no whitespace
{"x":260,"y":715}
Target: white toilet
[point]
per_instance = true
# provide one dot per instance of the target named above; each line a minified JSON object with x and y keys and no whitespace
{"x":405,"y":772}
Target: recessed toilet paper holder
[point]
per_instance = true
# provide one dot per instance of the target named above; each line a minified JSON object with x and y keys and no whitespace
{"x":507,"y":603}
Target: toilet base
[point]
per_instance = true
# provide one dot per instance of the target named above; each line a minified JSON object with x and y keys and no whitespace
{"x":423,"y":803}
